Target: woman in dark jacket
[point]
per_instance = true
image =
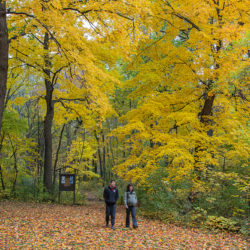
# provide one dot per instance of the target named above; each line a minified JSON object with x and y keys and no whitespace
{"x":130,"y":201}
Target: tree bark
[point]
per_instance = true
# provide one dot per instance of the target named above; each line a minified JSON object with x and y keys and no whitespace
{"x":4,"y":52}
{"x":48,"y":118}
{"x":2,"y":180}
{"x":14,"y":149}
{"x":1,"y":172}
{"x":94,"y":164}
{"x":104,"y":157}
{"x":204,"y":117}
{"x":57,"y":154}
{"x":112,"y":152}
{"x":69,"y":136}
{"x":207,"y":109}
{"x":99,"y":154}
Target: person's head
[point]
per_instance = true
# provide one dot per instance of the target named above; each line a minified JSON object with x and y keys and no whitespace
{"x":112,"y":183}
{"x":130,"y":188}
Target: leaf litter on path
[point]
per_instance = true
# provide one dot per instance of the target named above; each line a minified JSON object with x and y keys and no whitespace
{"x":55,"y":226}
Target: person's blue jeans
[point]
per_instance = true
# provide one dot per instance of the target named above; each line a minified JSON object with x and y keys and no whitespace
{"x":131,"y":210}
{"x":110,"y":210}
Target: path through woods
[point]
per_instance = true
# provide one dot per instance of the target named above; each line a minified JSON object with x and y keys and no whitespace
{"x":32,"y":225}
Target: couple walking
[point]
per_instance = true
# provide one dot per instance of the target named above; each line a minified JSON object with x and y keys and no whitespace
{"x":111,"y":196}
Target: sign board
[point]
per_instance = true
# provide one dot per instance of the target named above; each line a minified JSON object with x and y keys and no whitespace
{"x":67,"y":182}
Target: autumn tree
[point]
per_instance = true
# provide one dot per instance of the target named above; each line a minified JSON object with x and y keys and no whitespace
{"x":192,"y":110}
{"x":4,"y":47}
{"x":76,"y":62}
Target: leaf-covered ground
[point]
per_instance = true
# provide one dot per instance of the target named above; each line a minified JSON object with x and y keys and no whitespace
{"x":30,"y":225}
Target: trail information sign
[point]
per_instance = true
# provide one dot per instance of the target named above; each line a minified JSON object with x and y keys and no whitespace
{"x":67,"y":182}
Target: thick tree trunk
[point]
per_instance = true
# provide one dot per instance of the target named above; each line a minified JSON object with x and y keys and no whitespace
{"x":4,"y":52}
{"x":48,"y":119}
{"x":207,"y":109}
{"x":204,"y":116}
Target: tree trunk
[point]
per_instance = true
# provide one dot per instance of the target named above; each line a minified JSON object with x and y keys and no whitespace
{"x":39,"y":145}
{"x":69,"y":137}
{"x":100,"y":161}
{"x":4,"y":52}
{"x":104,"y":157}
{"x":207,"y":109}
{"x":1,"y":172}
{"x":205,"y":119}
{"x":99,"y":154}
{"x":2,"y":180}
{"x":48,"y":118}
{"x":57,"y":154}
{"x":94,"y":164}
{"x":111,"y":152}
{"x":15,"y":167}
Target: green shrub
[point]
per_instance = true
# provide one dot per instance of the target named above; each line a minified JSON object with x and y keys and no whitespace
{"x":221,"y":223}
{"x":222,"y":198}
{"x":169,"y":216}
{"x":244,"y":229}
{"x":198,"y":215}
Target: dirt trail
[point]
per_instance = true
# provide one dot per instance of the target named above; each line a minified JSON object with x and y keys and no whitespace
{"x":53,"y":226}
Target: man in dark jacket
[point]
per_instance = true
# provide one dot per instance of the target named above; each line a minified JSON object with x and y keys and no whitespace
{"x":110,"y":196}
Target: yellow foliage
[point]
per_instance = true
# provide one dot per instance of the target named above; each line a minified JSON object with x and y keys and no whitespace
{"x":191,"y":51}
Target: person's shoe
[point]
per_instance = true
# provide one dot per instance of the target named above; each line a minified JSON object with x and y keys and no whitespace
{"x":112,"y":227}
{"x":135,"y":227}
{"x":107,"y":225}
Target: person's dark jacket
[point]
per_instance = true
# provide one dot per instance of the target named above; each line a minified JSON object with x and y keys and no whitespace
{"x":110,"y":195}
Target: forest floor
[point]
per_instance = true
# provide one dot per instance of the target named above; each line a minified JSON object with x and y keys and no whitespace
{"x":55,"y":226}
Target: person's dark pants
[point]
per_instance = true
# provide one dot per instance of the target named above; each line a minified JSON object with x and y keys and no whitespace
{"x":110,"y":210}
{"x":132,"y":210}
